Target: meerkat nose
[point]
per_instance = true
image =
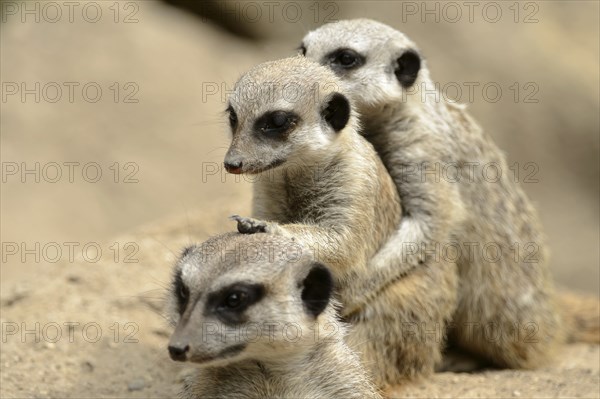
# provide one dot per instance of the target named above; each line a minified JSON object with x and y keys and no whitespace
{"x":178,"y":352}
{"x":234,"y":167}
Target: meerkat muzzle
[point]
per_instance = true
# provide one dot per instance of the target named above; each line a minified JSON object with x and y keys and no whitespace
{"x":234,"y":167}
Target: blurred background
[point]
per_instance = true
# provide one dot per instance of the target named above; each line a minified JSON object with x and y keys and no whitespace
{"x":112,"y":124}
{"x":135,"y":91}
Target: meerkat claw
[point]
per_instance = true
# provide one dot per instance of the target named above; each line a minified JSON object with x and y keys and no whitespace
{"x":249,"y":225}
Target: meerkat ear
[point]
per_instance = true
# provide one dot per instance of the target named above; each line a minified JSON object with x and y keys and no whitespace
{"x":317,"y":287}
{"x":408,"y":68}
{"x":336,"y":111}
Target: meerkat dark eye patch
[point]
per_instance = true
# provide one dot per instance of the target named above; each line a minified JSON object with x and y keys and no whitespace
{"x":337,"y":111}
{"x":233,"y":119}
{"x":276,"y":123}
{"x":230,"y":303}
{"x":345,"y":59}
{"x":408,"y":68}
{"x":317,"y":287}
{"x":182,"y":293}
{"x":302,"y":50}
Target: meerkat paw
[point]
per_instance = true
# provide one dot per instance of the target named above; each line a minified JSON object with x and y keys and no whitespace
{"x":250,"y":225}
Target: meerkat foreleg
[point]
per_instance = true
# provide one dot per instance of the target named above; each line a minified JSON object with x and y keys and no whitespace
{"x":429,"y":211}
{"x":325,"y":242}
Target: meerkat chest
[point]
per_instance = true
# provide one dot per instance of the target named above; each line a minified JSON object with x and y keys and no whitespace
{"x":299,"y":194}
{"x":260,"y":381}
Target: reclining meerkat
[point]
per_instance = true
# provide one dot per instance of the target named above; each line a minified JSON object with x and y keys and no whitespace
{"x":322,"y":183}
{"x":507,"y":308}
{"x":255,"y":312}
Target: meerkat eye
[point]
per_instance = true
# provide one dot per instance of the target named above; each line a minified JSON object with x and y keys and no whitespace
{"x":346,"y":59}
{"x":181,"y":292}
{"x":230,"y":303}
{"x":279,"y":119}
{"x":276,"y":122}
{"x":233,"y":119}
{"x":235,"y":299}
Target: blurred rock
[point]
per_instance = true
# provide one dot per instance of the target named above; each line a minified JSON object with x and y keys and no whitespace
{"x":263,"y":19}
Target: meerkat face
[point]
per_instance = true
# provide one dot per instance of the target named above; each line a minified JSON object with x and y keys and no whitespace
{"x":286,"y":110}
{"x":377,"y":64}
{"x":241,"y":297}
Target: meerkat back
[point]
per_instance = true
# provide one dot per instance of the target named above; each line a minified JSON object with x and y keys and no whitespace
{"x":421,"y":137}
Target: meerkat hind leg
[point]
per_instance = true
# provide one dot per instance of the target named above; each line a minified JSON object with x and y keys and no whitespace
{"x":512,"y":333}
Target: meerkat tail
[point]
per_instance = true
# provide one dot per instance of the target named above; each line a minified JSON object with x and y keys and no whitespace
{"x":581,"y":315}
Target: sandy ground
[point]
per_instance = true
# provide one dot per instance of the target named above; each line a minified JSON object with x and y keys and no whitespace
{"x":95,"y":330}
{"x":170,"y":189}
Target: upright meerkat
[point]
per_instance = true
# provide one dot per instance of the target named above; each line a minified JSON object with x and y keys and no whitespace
{"x":319,"y":181}
{"x":506,"y":307}
{"x":255,"y":312}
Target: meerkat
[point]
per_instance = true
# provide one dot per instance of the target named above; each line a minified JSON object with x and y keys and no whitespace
{"x":507,"y":310}
{"x":319,"y":181}
{"x":256,"y":314}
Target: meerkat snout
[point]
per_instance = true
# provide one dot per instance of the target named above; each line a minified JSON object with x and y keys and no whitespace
{"x":178,"y":351}
{"x":233,"y":165}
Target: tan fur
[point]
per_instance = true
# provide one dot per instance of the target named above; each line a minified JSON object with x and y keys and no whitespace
{"x":507,"y":308}
{"x":581,"y":316}
{"x":333,"y":194}
{"x":287,"y":352}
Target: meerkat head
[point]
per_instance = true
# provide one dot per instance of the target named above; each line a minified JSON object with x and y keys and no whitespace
{"x":241,"y":297}
{"x":378,"y":64}
{"x":285,"y":110}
